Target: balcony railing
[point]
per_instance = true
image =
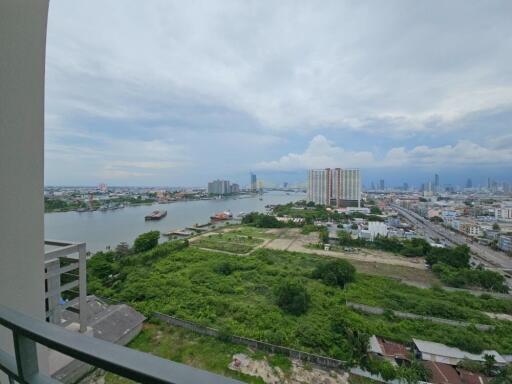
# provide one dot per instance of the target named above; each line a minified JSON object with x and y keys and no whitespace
{"x":141,"y":367}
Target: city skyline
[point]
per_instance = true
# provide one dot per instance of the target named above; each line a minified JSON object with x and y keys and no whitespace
{"x":166,"y":94}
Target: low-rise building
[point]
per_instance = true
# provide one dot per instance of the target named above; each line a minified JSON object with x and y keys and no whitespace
{"x":441,"y":353}
{"x":442,"y":373}
{"x":377,"y":228}
{"x":504,"y":212}
{"x":505,"y":243}
{"x":468,"y":227}
{"x":395,"y":353}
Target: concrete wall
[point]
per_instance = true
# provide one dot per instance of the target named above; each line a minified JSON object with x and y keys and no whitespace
{"x":22,"y":60}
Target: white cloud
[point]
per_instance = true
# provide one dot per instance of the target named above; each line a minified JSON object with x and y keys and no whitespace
{"x":293,"y":65}
{"x":322,"y":153}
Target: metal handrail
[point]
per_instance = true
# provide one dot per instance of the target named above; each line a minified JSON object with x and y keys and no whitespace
{"x":138,"y":366}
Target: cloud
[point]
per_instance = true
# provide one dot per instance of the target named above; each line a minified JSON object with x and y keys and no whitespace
{"x":291,"y":66}
{"x":210,"y":88}
{"x":322,"y":153}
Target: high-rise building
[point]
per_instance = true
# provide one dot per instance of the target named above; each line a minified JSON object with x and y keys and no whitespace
{"x":254,"y":183}
{"x":219,"y":187}
{"x":436,"y":183}
{"x":382,"y":186}
{"x":406,"y":187}
{"x":235,"y":188}
{"x":334,"y":186}
{"x":469,"y":183}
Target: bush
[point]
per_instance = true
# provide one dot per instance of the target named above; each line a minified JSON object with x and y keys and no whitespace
{"x":146,"y":241}
{"x":292,"y":297}
{"x":261,"y":220}
{"x":224,"y":268}
{"x":336,"y":273}
{"x":457,"y":257}
{"x":477,"y":277}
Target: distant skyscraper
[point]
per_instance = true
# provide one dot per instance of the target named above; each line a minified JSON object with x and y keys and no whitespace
{"x":372,"y":187}
{"x":406,"y":187}
{"x":235,"y":188}
{"x":334,"y":186}
{"x":382,"y":186}
{"x":469,"y":183}
{"x":219,"y":187}
{"x":254,"y":183}
{"x":436,"y":183}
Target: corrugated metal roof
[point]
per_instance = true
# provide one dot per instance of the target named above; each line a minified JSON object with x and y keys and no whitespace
{"x":443,"y":350}
{"x":442,"y":373}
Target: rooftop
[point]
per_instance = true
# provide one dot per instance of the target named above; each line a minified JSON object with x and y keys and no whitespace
{"x":443,"y":350}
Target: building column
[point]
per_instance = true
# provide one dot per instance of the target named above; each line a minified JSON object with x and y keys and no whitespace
{"x":22,"y":63}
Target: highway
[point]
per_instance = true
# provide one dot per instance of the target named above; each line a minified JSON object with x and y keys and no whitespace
{"x":480,"y":253}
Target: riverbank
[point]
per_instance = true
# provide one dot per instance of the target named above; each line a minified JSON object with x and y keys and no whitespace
{"x":101,"y":229}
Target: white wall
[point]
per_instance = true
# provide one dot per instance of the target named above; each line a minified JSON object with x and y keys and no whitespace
{"x":22,"y":53}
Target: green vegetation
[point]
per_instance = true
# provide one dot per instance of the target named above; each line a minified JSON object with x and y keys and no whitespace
{"x":53,"y":204}
{"x":375,"y":211}
{"x":186,"y":347}
{"x":262,"y":220}
{"x":311,"y":212}
{"x":308,"y":228}
{"x":246,"y":230}
{"x":292,"y":296}
{"x":146,"y":241}
{"x":457,"y":257}
{"x":336,"y":273}
{"x":228,"y":242}
{"x":196,"y":285}
{"x":504,"y":376}
{"x":410,"y":248}
{"x":466,"y":277}
{"x":451,"y":265}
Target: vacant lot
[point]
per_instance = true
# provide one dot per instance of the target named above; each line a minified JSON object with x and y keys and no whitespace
{"x":237,"y":295}
{"x":227,"y":242}
{"x":186,"y":347}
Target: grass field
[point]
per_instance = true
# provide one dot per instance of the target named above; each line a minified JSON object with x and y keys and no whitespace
{"x":237,"y":295}
{"x":396,"y":272}
{"x":228,"y":242}
{"x":245,"y":230}
{"x":186,"y":347}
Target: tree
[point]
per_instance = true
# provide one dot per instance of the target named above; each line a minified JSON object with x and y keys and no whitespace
{"x":414,"y":373}
{"x":323,"y":235}
{"x":336,"y":273}
{"x":146,"y":241}
{"x":457,"y":257}
{"x":292,"y":296}
{"x":123,"y":249}
{"x":436,"y":219}
{"x":489,"y":362}
{"x":496,"y":226}
{"x":504,"y":377}
{"x":375,"y":211}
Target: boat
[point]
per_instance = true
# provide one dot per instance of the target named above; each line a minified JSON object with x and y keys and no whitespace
{"x":226,"y":215}
{"x":156,"y":215}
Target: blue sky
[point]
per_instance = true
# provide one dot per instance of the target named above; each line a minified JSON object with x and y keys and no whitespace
{"x":177,"y":93}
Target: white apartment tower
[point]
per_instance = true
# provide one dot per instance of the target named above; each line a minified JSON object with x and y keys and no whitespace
{"x":340,"y":187}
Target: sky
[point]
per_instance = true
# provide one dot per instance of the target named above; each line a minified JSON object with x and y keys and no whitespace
{"x":176,"y":93}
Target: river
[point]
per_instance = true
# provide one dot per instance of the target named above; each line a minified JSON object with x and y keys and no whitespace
{"x":101,"y":229}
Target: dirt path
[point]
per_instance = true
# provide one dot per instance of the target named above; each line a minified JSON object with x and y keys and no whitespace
{"x":297,"y":244}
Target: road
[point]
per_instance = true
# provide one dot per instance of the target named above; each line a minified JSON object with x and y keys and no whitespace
{"x":480,"y":253}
